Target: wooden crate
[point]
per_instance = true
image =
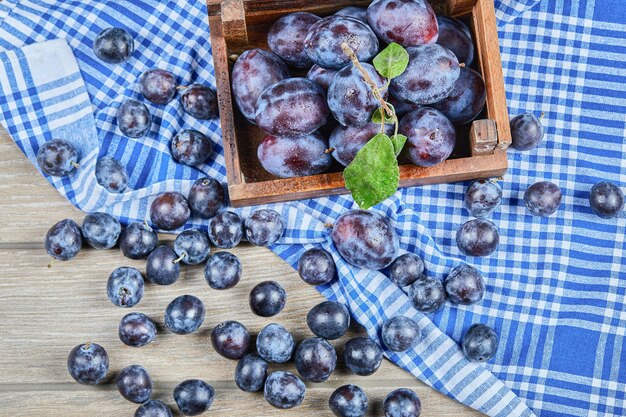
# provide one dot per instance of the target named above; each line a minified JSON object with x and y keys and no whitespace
{"x":238,"y":25}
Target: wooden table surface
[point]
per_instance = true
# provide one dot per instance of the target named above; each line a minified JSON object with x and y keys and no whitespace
{"x":45,"y":312}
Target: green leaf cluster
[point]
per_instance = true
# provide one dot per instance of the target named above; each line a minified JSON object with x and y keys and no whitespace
{"x":374,"y":175}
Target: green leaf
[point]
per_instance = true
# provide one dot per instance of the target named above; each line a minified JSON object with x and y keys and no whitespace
{"x":373,"y":176}
{"x":378,"y":117}
{"x":392,"y":61}
{"x":398,"y":143}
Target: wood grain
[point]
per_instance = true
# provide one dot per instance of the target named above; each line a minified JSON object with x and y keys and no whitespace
{"x":46,"y":311}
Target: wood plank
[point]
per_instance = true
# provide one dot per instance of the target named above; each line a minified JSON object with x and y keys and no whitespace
{"x":490,"y":64}
{"x":106,"y":402}
{"x":29,"y":204}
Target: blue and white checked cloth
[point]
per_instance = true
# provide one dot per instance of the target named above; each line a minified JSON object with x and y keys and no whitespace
{"x":556,"y":286}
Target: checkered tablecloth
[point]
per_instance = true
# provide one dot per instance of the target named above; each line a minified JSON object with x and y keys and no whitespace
{"x":556,"y":286}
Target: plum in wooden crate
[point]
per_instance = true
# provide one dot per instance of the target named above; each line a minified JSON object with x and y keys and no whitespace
{"x":241,"y":25}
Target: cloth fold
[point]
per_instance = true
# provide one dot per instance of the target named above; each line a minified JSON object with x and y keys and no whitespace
{"x":555,"y":287}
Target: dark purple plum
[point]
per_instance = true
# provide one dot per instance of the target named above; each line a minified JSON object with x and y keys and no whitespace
{"x":324,"y":41}
{"x":254,"y":71}
{"x":137,"y":330}
{"x":483,"y":197}
{"x":111,"y":174}
{"x":264,"y":227}
{"x":317,"y":267}
{"x":101,"y":230}
{"x":286,"y":38}
{"x":185,"y":314}
{"x":275,"y":344}
{"x":347,"y":141}
{"x":284,"y":390}
{"x":406,"y":269}
{"x":192,"y":246}
{"x":226,"y":230}
{"x":350,"y":98}
{"x":267,"y":299}
{"x":358,"y":13}
{"x":158,"y":86}
{"x":316,"y":359}
{"x":407,"y":22}
{"x":467,"y":98}
{"x":88,"y":364}
{"x":294,"y":157}
{"x":402,"y":107}
{"x":222,"y":271}
{"x":57,"y":157}
{"x":464,"y":285}
{"x":348,"y":401}
{"x":163,"y":267}
{"x":480,"y":343}
{"x":250,"y":373}
{"x":321,"y":76}
{"x":478,"y":237}
{"x":64,"y":240}
{"x":206,"y":198}
{"x":365,"y":239}
{"x":430,"y":77}
{"x":329,"y":320}
{"x":402,"y":403}
{"x":113,"y":45}
{"x":200,"y":101}
{"x":125,"y":287}
{"x":431,"y":137}
{"x":456,"y":36}
{"x":526,"y":132}
{"x":134,"y":383}
{"x":133,"y":118}
{"x":543,"y":198}
{"x":169,"y":211}
{"x":153,"y":408}
{"x":292,"y":108}
{"x":190,"y":147}
{"x":362,"y":356}
{"x":138,"y":240}
{"x":400,"y":333}
{"x":427,"y":294}
{"x":193,"y":397}
{"x":230,"y":339}
{"x":606,"y":200}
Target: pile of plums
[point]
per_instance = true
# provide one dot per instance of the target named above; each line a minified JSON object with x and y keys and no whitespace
{"x":433,"y":95}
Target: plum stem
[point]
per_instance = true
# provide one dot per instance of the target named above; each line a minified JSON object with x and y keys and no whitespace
{"x":75,"y":165}
{"x":182,"y":87}
{"x":51,"y":263}
{"x":462,"y":64}
{"x":329,"y":150}
{"x":180,"y":258}
{"x":329,"y":225}
{"x":368,"y":80}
